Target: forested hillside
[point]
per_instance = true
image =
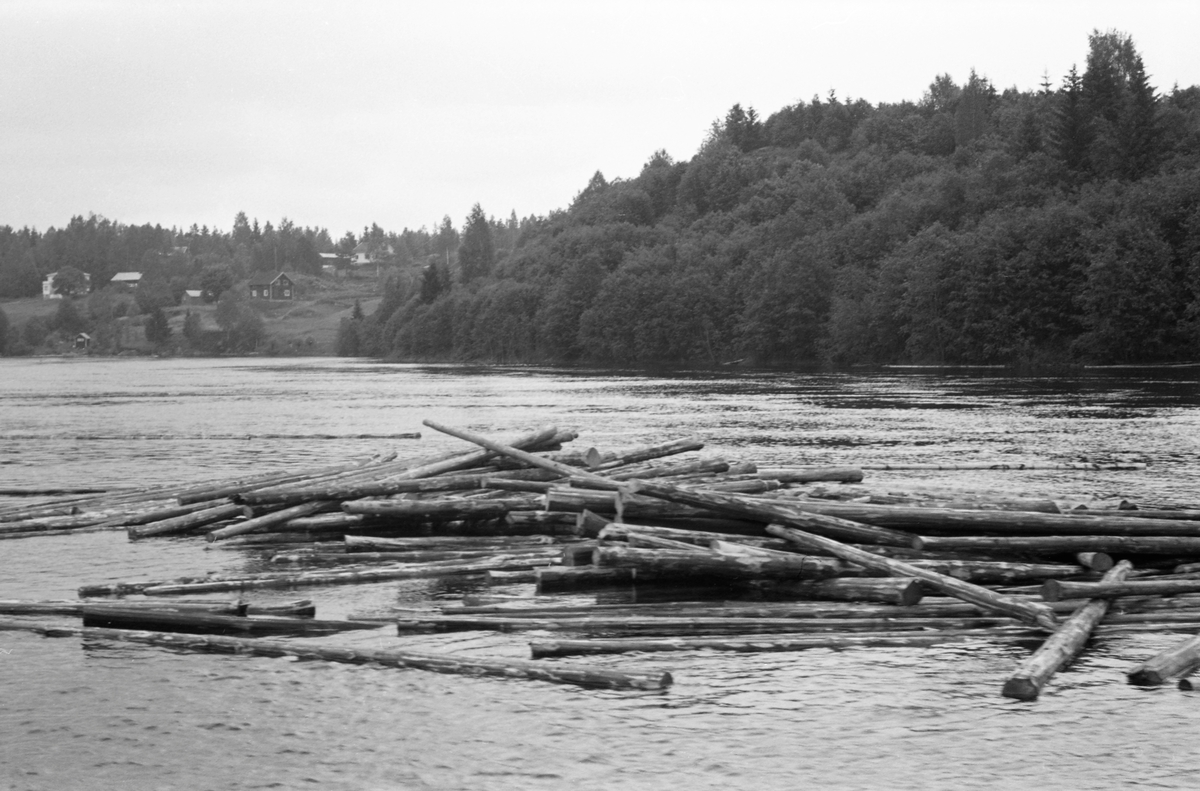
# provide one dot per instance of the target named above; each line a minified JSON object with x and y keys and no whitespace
{"x":972,"y":226}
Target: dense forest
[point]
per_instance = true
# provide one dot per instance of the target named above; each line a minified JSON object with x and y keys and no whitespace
{"x":976,"y":225}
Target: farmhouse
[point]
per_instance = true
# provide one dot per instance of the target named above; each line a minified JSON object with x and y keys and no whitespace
{"x":272,"y":288}
{"x":50,"y":292}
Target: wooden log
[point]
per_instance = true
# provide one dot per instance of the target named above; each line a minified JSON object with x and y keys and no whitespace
{"x":639,"y":455}
{"x":578,"y":554}
{"x":1027,"y":611}
{"x":440,"y":663}
{"x":974,"y":522}
{"x":994,"y":572}
{"x":588,"y":524}
{"x":666,"y":625}
{"x":511,"y":452}
{"x":1179,"y":660}
{"x":1062,"y":646}
{"x":181,"y":524}
{"x":262,"y":523}
{"x":1096,"y":561}
{"x":639,"y":540}
{"x":344,"y":576}
{"x":73,"y":607}
{"x":413,"y":556}
{"x":160,"y":514}
{"x":774,"y":511}
{"x":542,"y":649}
{"x":664,"y":563}
{"x":520,"y":577}
{"x":164,"y":620}
{"x":900,"y":591}
{"x":811,"y":474}
{"x":1053,"y":545}
{"x":1057,"y":590}
{"x":707,"y":466}
{"x":442,"y":509}
{"x":1004,"y":465}
{"x":498,"y":544}
{"x":605,"y":503}
{"x":534,"y":519}
{"x":355,"y":491}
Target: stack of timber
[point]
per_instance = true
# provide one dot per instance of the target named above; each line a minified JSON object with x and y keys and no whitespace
{"x":721,"y":554}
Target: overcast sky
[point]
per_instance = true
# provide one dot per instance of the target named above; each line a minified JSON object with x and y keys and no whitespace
{"x":342,"y":114}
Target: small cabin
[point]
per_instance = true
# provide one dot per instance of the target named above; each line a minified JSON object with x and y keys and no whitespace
{"x":279,"y":287}
{"x":83,"y":342}
{"x":192,"y":296}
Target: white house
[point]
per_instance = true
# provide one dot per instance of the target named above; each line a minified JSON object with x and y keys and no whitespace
{"x":48,"y":290}
{"x":367,"y":253}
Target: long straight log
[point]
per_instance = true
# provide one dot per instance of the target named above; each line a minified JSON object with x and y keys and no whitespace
{"x":1031,"y":612}
{"x":666,"y":625}
{"x":900,"y":591}
{"x":511,"y":452}
{"x":1180,"y":660}
{"x":354,"y":544}
{"x":343,"y":576}
{"x":563,"y":578}
{"x":262,"y":523}
{"x":1003,"y":465}
{"x":181,"y":524}
{"x":542,"y":649}
{"x":1057,"y":590}
{"x":682,"y":564}
{"x":164,"y":620}
{"x":443,"y":509}
{"x":354,"y":491}
{"x":775,"y":511}
{"x":647,"y":453}
{"x":559,"y":674}
{"x":1052,"y":545}
{"x":811,"y":474}
{"x":1062,"y":646}
{"x":995,"y":572}
{"x":977,"y":522}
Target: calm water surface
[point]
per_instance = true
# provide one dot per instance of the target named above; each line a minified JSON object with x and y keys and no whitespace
{"x":105,"y":716}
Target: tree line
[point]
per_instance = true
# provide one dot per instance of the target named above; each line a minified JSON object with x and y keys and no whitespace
{"x":1052,"y":225}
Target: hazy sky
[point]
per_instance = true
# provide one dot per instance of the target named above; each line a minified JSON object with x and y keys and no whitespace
{"x":343,"y":114}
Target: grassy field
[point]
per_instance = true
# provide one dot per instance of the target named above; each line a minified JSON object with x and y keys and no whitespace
{"x":315,"y":314}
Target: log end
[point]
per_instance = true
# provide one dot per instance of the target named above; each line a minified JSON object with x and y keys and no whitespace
{"x":1145,"y":677}
{"x":1186,"y":684}
{"x":1052,"y":590}
{"x":912,"y":593}
{"x":1020,"y":688}
{"x":1096,"y":561}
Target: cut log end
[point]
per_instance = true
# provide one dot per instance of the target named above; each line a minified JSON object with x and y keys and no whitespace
{"x":1020,"y":689}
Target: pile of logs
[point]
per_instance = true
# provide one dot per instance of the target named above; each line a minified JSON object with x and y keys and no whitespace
{"x":739,"y":558}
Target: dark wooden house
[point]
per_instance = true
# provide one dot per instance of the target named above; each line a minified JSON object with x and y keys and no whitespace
{"x":275,"y":288}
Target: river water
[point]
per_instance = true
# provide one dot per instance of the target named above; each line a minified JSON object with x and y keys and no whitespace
{"x":105,"y":716}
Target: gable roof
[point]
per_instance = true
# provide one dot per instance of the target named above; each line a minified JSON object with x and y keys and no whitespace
{"x":262,"y":280}
{"x":127,"y":277}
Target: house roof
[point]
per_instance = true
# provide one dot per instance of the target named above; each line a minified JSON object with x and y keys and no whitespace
{"x":262,"y":280}
{"x":127,"y":277}
{"x":330,"y":256}
{"x":194,"y":292}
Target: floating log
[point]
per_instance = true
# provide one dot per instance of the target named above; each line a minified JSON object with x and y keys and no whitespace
{"x":811,"y":474}
{"x":901,"y":591}
{"x":537,"y":519}
{"x":1027,"y":611}
{"x":994,"y":572}
{"x":664,"y":563}
{"x":708,"y":466}
{"x":261,"y":523}
{"x":355,"y":491}
{"x":511,"y":452}
{"x":578,"y":554}
{"x":1052,"y":545}
{"x":415,"y":555}
{"x":164,"y":620}
{"x":344,"y":576}
{"x":1180,"y":660}
{"x":542,"y":649}
{"x":925,"y":520}
{"x":774,"y":511}
{"x":667,"y":625}
{"x":1057,"y":590}
{"x":440,"y":663}
{"x":640,"y":455}
{"x":1062,"y":646}
{"x":1000,"y":465}
{"x":72,"y":607}
{"x":181,"y":524}
{"x":442,"y":509}
{"x":639,"y":540}
{"x":160,"y":514}
{"x":380,"y":544}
